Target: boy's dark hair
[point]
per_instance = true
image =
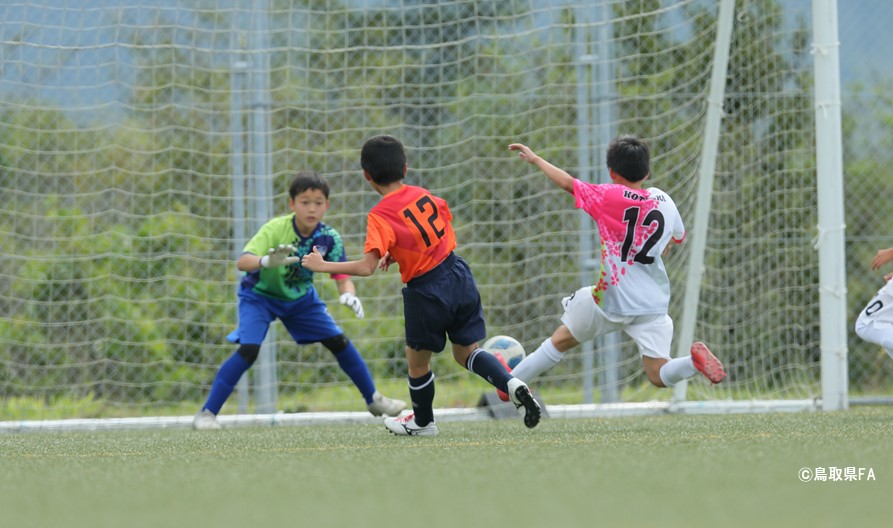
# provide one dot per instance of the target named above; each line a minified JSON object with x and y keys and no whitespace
{"x":629,"y":157}
{"x":384,"y":159}
{"x":305,"y":180}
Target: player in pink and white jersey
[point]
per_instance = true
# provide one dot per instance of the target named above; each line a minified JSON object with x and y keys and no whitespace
{"x":635,"y":226}
{"x":632,"y":293}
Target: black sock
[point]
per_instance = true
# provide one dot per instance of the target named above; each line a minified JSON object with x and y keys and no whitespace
{"x":488,"y":367}
{"x":421,"y":392}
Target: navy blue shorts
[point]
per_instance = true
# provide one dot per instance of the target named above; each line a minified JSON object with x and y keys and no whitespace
{"x":443,"y":302}
{"x":306,"y":319}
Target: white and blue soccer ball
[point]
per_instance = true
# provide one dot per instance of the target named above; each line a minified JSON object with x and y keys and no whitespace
{"x":506,"y":348}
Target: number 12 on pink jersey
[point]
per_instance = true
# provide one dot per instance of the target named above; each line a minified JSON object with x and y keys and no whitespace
{"x":631,"y":219}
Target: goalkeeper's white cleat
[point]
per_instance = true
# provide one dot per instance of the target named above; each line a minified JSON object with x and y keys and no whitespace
{"x":406,"y":426}
{"x":524,"y":402}
{"x":205,"y":420}
{"x":382,"y":405}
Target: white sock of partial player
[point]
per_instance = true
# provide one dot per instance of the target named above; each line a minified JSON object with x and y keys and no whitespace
{"x":542,"y":359}
{"x":676,"y":370}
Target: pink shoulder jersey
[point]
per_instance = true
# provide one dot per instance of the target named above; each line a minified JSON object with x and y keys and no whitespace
{"x":635,"y":226}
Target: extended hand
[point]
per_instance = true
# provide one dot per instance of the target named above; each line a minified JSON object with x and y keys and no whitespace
{"x":279,"y":256}
{"x":385,"y":261}
{"x":313,"y":260}
{"x":353,"y":302}
{"x":524,"y":152}
{"x":882,"y":257}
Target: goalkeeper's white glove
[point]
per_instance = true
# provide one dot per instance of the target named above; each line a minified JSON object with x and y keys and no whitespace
{"x":279,"y":256}
{"x":353,"y":302}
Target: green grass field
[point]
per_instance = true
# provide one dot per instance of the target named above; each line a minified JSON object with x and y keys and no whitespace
{"x":660,"y":471}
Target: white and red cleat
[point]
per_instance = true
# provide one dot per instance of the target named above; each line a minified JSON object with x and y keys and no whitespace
{"x":406,"y":426}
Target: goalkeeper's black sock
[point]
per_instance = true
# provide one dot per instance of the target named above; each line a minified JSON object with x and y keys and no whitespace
{"x":226,"y":379}
{"x":485,"y":365}
{"x":421,"y":392}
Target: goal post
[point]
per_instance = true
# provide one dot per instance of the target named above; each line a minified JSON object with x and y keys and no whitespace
{"x":140,"y":146}
{"x":831,"y":228}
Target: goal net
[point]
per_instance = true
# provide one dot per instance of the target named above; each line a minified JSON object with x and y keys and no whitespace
{"x":142,"y":142}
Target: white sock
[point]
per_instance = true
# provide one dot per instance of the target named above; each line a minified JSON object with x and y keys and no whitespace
{"x":542,"y":359}
{"x":676,"y":370}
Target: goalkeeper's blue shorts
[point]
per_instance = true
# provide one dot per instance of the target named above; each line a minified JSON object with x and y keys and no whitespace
{"x":307,"y":319}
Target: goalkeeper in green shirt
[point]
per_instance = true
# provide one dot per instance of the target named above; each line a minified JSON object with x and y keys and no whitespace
{"x":276,"y":286}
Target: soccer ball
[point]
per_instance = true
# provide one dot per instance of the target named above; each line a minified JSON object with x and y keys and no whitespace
{"x":505,"y":348}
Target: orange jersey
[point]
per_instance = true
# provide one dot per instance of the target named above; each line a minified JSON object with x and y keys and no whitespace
{"x":414,"y":226}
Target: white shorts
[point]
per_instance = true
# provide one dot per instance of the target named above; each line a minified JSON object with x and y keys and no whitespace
{"x":875,"y":321}
{"x":585,"y":319}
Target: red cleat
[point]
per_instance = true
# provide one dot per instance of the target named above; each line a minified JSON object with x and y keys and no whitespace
{"x":706,"y":362}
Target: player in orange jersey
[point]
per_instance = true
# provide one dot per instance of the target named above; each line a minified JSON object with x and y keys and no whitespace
{"x":412,"y":227}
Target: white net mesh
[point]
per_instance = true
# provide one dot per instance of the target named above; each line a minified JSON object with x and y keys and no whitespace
{"x":140,"y":142}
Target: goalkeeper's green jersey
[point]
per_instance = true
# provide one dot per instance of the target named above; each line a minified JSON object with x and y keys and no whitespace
{"x":293,"y":281}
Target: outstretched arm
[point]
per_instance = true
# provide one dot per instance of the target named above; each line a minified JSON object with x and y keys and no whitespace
{"x":363,"y":267}
{"x":558,"y":176}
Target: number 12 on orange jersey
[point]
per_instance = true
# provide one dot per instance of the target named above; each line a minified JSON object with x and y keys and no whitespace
{"x":423,"y":219}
